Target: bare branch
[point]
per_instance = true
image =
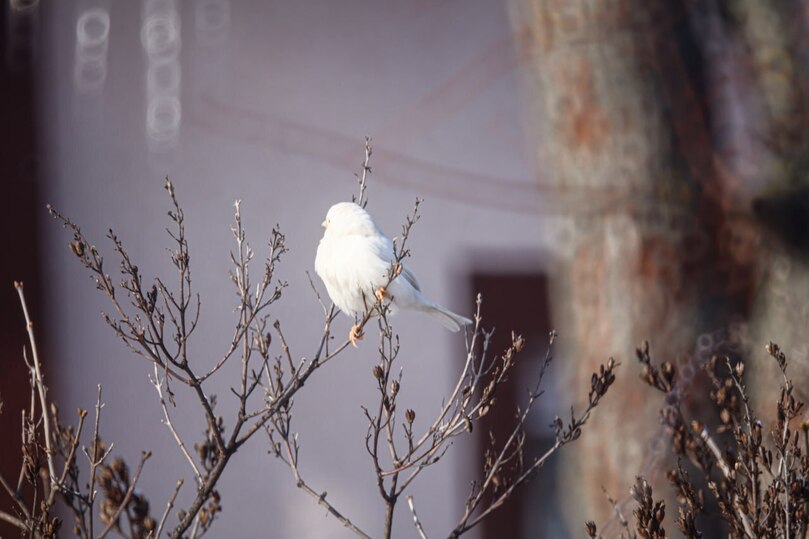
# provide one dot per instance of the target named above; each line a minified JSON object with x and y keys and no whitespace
{"x":40,"y":386}
{"x":362,"y":177}
{"x":416,"y":521}
{"x":157,"y":383}
{"x":169,"y":506}
{"x":14,"y":521}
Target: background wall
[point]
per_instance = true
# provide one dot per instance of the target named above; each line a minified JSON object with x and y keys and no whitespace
{"x":269,"y":102}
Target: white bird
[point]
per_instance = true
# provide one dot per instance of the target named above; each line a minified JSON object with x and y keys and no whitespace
{"x":354,"y":259}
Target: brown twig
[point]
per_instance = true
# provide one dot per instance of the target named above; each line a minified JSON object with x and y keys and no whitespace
{"x":362,"y":176}
{"x":416,"y":521}
{"x":98,"y":456}
{"x":290,"y":458}
{"x":169,"y":506}
{"x":14,"y":521}
{"x":70,"y":457}
{"x":157,"y":383}
{"x":40,"y":386}
{"x":512,"y":449}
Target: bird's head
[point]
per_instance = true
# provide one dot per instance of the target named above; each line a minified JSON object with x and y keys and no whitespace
{"x":348,"y":218}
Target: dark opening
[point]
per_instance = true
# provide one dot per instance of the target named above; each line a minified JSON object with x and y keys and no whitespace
{"x":519,"y":302}
{"x":18,"y":218}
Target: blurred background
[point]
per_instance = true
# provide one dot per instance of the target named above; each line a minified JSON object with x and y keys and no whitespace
{"x":619,"y":170}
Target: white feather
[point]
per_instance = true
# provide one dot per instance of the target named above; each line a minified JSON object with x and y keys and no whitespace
{"x":353,"y":260}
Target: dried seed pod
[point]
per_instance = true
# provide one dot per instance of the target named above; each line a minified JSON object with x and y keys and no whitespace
{"x":78,"y":248}
{"x":518,"y":342}
{"x":377,"y":371}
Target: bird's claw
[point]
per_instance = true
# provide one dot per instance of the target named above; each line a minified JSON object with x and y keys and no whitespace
{"x":381,"y":293}
{"x":355,"y":334}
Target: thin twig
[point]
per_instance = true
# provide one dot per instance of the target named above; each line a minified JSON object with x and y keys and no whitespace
{"x":169,"y":506}
{"x":70,"y":458}
{"x":95,"y":460}
{"x":14,"y":521}
{"x":14,"y":496}
{"x":726,"y":471}
{"x":321,"y":500}
{"x":314,"y":289}
{"x":362,"y":177}
{"x":416,"y":521}
{"x":195,"y":527}
{"x":40,"y":385}
{"x":158,"y":387}
{"x":616,"y":508}
{"x":284,"y":347}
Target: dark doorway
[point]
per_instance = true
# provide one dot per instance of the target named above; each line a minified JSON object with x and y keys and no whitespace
{"x":519,"y":302}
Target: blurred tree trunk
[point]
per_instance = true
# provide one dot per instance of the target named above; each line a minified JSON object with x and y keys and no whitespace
{"x":774,"y":37}
{"x":659,"y":248}
{"x":601,"y":126}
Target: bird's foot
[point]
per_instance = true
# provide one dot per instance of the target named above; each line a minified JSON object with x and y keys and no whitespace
{"x":355,"y":334}
{"x":381,"y":293}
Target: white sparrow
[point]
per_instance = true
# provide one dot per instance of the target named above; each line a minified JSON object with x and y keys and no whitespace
{"x":354,"y":259}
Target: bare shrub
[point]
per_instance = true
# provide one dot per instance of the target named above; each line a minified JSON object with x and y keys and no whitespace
{"x":156,"y":319}
{"x":759,"y":480}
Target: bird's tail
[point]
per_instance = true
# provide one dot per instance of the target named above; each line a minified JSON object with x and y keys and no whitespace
{"x":448,"y":319}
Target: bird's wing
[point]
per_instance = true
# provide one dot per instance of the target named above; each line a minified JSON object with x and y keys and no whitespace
{"x":411,"y":279}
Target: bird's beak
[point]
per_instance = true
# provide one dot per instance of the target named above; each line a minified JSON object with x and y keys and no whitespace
{"x":324,"y":224}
